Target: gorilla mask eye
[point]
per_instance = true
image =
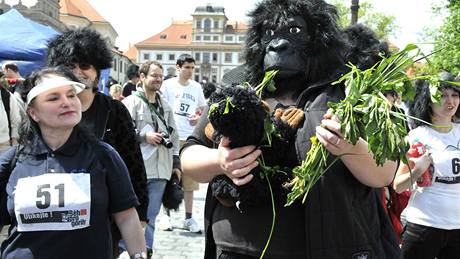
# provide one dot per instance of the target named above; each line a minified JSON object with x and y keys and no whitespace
{"x":294,"y":30}
{"x":269,"y":32}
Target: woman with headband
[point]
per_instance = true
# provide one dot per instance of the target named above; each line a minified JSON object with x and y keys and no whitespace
{"x":63,"y":184}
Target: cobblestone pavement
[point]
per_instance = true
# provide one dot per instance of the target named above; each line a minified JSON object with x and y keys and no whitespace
{"x":179,"y":243}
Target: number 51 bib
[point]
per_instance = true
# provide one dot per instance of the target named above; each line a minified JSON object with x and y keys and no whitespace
{"x":53,"y":202}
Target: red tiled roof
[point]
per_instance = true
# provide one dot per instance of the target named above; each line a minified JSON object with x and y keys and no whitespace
{"x":178,"y":33}
{"x":131,"y":53}
{"x":238,"y":26}
{"x":174,"y":34}
{"x":80,"y":8}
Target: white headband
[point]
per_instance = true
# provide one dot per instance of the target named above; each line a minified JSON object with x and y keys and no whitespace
{"x":49,"y":83}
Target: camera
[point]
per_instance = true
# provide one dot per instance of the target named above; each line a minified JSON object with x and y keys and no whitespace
{"x":165,"y":141}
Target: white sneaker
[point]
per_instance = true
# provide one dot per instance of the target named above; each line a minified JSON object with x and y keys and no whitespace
{"x":164,"y":223}
{"x":191,"y":225}
{"x":124,"y":255}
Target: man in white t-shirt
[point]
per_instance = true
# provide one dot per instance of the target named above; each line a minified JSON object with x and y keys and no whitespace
{"x":186,"y":98}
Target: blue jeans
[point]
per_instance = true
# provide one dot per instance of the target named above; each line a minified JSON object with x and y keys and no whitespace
{"x":156,"y":188}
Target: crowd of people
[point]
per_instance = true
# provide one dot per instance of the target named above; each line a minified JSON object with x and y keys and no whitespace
{"x":84,"y":173}
{"x":116,"y":155}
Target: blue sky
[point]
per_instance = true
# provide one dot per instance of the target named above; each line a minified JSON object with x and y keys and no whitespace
{"x":141,"y":19}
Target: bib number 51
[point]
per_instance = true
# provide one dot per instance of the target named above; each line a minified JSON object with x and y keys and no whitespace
{"x":44,"y":192}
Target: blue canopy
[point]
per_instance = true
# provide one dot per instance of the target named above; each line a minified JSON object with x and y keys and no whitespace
{"x":23,"y":41}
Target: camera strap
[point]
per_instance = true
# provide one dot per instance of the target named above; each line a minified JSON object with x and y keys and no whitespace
{"x":154,"y":109}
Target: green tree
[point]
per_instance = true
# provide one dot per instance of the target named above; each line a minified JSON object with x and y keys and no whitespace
{"x":447,"y":40}
{"x":382,"y":24}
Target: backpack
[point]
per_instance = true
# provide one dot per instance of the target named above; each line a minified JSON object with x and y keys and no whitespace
{"x":6,"y":103}
{"x":394,"y":204}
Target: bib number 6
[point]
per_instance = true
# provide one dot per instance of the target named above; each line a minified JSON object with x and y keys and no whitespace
{"x":44,"y":192}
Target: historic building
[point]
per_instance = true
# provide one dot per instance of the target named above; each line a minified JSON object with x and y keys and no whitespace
{"x":215,"y":42}
{"x":44,"y":11}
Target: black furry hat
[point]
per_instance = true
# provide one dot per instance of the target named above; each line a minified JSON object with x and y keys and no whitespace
{"x":81,"y":45}
{"x":421,"y":105}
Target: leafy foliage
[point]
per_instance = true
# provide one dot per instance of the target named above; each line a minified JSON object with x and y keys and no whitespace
{"x":382,"y":24}
{"x":447,"y":40}
{"x":365,"y":113}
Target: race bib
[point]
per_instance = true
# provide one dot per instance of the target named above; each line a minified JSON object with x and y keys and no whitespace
{"x":53,"y":202}
{"x":447,"y":167}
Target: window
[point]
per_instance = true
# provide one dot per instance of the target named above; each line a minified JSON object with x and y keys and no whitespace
{"x":115,"y":64}
{"x":198,"y":37}
{"x":172,"y":57}
{"x":198,"y":24}
{"x":228,"y":58}
{"x":121,"y":66}
{"x":197,"y":70}
{"x":214,"y":78}
{"x":228,"y":38}
{"x":214,"y":57}
{"x":215,"y":38}
{"x":207,"y":25}
{"x":197,"y":78}
{"x":241,"y":38}
{"x":197,"y":56}
{"x":159,"y":56}
{"x":216,"y":24}
{"x":206,"y":57}
{"x":146,"y":56}
{"x":214,"y":70}
{"x":163,"y":36}
{"x":207,"y":38}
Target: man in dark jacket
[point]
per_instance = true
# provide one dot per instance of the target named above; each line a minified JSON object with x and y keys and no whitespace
{"x":87,"y":53}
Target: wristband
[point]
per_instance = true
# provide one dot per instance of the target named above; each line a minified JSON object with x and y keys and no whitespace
{"x":141,"y":255}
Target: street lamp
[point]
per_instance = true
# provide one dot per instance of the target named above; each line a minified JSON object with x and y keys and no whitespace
{"x":354,"y":11}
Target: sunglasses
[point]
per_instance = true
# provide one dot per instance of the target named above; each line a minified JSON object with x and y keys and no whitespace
{"x":82,"y":66}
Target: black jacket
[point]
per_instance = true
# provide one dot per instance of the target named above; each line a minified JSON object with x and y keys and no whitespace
{"x":110,"y":121}
{"x":343,"y":217}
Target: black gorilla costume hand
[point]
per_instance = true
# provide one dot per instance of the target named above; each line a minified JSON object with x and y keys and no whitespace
{"x":302,"y":40}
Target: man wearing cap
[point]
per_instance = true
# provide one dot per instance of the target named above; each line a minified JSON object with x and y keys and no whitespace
{"x":87,"y":53}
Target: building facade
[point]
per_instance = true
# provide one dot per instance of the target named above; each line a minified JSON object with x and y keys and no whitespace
{"x":44,"y":12}
{"x":215,"y":42}
{"x":80,"y":13}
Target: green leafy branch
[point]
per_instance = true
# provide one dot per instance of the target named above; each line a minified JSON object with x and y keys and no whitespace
{"x":267,"y":83}
{"x":366,"y":113}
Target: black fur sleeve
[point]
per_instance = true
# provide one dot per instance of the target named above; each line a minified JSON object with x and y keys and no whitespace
{"x":125,"y":142}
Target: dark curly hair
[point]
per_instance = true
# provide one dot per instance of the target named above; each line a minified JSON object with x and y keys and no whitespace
{"x":321,"y":51}
{"x":420,"y":107}
{"x":82,"y":45}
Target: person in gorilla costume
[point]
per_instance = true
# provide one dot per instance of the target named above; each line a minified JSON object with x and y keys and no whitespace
{"x":343,"y":216}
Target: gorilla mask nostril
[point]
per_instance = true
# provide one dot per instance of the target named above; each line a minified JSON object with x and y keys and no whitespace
{"x":278,"y":45}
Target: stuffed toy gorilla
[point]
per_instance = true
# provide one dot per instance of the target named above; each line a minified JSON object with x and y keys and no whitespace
{"x":303,"y":54}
